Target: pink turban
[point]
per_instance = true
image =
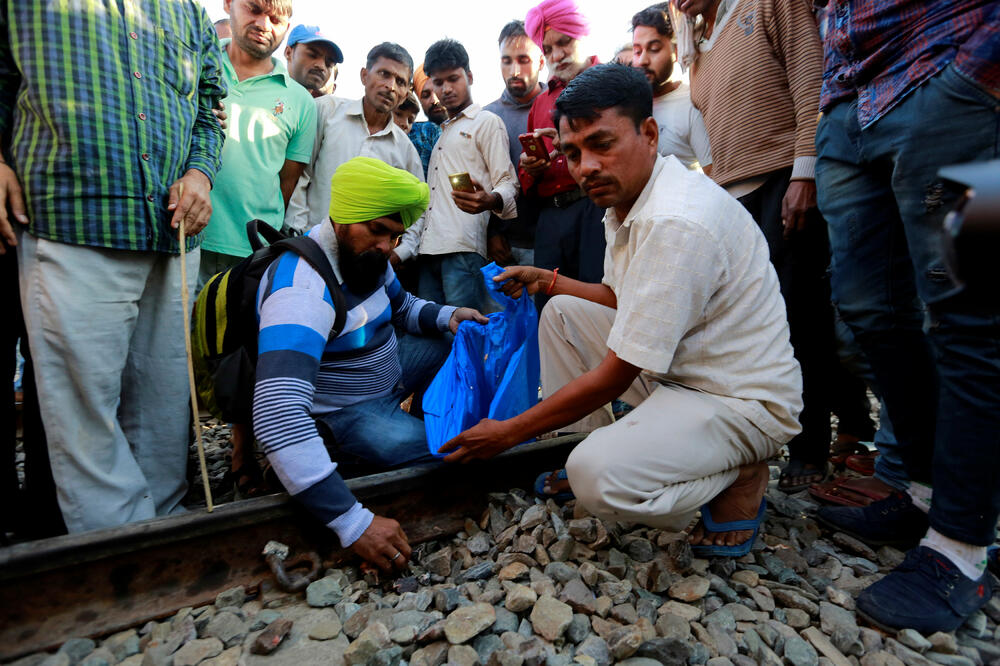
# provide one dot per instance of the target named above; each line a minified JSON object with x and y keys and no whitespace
{"x":561,"y":15}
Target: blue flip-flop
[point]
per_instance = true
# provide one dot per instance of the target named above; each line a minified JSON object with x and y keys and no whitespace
{"x":540,"y":493}
{"x":739,"y":550}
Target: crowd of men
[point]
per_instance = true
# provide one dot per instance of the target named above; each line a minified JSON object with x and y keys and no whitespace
{"x":709,"y":253}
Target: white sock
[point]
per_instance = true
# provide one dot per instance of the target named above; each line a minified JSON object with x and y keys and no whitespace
{"x":920,"y":494}
{"x":970,"y":560}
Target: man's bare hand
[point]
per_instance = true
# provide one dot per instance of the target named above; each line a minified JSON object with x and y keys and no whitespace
{"x":480,"y":442}
{"x":518,"y":278}
{"x":535,"y":166}
{"x":498,"y":250}
{"x":800,"y":198}
{"x":189,"y":199}
{"x":11,"y":206}
{"x":220,"y":115}
{"x":383,"y":544}
{"x":466,"y":314}
{"x":477,"y":201}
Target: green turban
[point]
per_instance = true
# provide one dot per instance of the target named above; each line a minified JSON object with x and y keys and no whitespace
{"x":365,"y":188}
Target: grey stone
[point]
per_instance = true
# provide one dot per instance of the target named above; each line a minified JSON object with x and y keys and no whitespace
{"x":197,"y":651}
{"x":795,"y":618}
{"x":535,"y":514}
{"x":485,"y":645}
{"x":638,"y":661}
{"x":624,"y":613}
{"x":505,"y":658}
{"x":723,"y":617}
{"x":950,"y":659}
{"x":799,"y":653}
{"x":689,"y":589}
{"x":596,"y":648}
{"x":326,"y":629}
{"x":841,"y":626}
{"x":57,"y":659}
{"x":583,"y":529}
{"x":102,"y":657}
{"x":439,"y":562}
{"x":880,"y":658}
{"x":790,"y":599}
{"x":550,"y":617}
{"x":673,"y":626}
{"x":871,"y":640}
{"x":370,"y":641}
{"x":228,"y":657}
{"x":480,"y":571}
{"x":505,"y":620}
{"x":228,"y":628}
{"x":719,"y":661}
{"x":578,"y":629}
{"x":77,"y":648}
{"x":905,"y":654}
{"x":434,"y":654}
{"x":667,"y":651}
{"x":446,"y":600}
{"x":234,"y":596}
{"x":762,"y":597}
{"x":724,"y":643}
{"x":390,"y":656}
{"x":123,"y":645}
{"x":912,"y":639}
{"x":464,"y":623}
{"x":525,"y":629}
{"x":324,"y":592}
{"x":266,"y":617}
{"x":640,"y":550}
{"x":578,"y":596}
{"x":561,"y":572}
{"x":404,"y":635}
{"x":479,"y":543}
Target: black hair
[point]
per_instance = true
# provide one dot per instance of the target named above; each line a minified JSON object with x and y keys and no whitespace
{"x":512,"y":30}
{"x":411,"y":103}
{"x":445,"y":54}
{"x":604,"y":87}
{"x":655,"y":16}
{"x":391,"y":51}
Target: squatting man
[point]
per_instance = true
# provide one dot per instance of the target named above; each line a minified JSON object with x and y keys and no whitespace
{"x":688,"y":325}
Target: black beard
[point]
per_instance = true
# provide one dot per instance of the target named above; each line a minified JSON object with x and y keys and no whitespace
{"x":361,"y":272}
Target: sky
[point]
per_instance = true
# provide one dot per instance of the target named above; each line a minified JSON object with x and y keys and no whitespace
{"x":356,"y":26}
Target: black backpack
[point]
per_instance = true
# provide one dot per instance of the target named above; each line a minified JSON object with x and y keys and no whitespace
{"x":224,"y":321}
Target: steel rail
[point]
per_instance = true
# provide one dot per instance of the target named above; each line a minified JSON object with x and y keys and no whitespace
{"x":99,"y":582}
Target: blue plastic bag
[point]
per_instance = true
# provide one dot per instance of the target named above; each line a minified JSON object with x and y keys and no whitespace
{"x":491,"y":372}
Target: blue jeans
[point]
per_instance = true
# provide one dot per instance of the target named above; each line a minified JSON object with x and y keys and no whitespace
{"x":454,"y":279}
{"x":377,"y":431}
{"x":885,"y":205}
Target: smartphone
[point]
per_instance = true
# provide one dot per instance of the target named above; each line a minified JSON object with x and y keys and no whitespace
{"x":534,"y":146}
{"x":460,"y":182}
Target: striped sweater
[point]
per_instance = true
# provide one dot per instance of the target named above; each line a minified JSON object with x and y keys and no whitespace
{"x":757,"y":88}
{"x":303,"y":374}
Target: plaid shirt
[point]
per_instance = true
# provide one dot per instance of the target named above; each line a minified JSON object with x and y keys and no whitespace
{"x":880,"y":51}
{"x":424,"y":135}
{"x":107,"y":103}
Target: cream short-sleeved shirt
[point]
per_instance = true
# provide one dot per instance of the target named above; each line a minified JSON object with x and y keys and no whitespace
{"x":698,"y":299}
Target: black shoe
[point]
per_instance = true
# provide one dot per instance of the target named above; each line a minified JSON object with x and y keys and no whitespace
{"x":893,"y":521}
{"x":926,"y":592}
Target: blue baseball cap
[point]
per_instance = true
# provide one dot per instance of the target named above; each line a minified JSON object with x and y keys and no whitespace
{"x":310,"y":34}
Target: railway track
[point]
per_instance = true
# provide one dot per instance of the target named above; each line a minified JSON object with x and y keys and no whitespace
{"x":103,"y":581}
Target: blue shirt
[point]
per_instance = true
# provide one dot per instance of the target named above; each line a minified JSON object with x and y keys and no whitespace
{"x":424,"y":135}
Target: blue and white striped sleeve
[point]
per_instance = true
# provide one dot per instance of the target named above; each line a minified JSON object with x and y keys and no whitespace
{"x":415,"y":314}
{"x":296,"y":315}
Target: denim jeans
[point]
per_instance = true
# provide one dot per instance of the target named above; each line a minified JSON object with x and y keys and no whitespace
{"x":884,"y":203}
{"x":377,"y":431}
{"x":454,"y":279}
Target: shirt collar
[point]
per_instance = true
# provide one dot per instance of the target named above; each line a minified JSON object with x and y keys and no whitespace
{"x":469,"y":112}
{"x":278,"y":68}
{"x":611,"y":218}
{"x":508,"y":100}
{"x":356,"y":108}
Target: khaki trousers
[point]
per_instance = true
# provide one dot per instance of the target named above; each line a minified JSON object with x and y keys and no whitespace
{"x":658,"y":465}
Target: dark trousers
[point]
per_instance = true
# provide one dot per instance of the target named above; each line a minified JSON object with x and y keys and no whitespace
{"x":572,"y":240}
{"x":33,"y":511}
{"x":801,"y":262}
{"x":879,"y":189}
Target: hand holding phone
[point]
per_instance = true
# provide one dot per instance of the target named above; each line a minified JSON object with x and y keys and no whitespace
{"x":533,"y":146}
{"x":461,"y":182}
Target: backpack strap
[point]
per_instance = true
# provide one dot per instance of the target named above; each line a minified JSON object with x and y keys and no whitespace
{"x":313,"y":254}
{"x":258,"y":228}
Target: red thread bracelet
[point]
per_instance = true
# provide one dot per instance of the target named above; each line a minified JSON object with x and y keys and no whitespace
{"x":555,"y":276}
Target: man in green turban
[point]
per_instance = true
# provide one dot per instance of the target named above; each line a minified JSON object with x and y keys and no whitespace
{"x":320,"y":402}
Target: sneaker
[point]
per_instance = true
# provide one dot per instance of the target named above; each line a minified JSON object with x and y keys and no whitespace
{"x":926,"y":592}
{"x":893,"y":521}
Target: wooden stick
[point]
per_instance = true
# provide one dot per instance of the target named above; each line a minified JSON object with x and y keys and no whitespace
{"x":185,"y":298}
